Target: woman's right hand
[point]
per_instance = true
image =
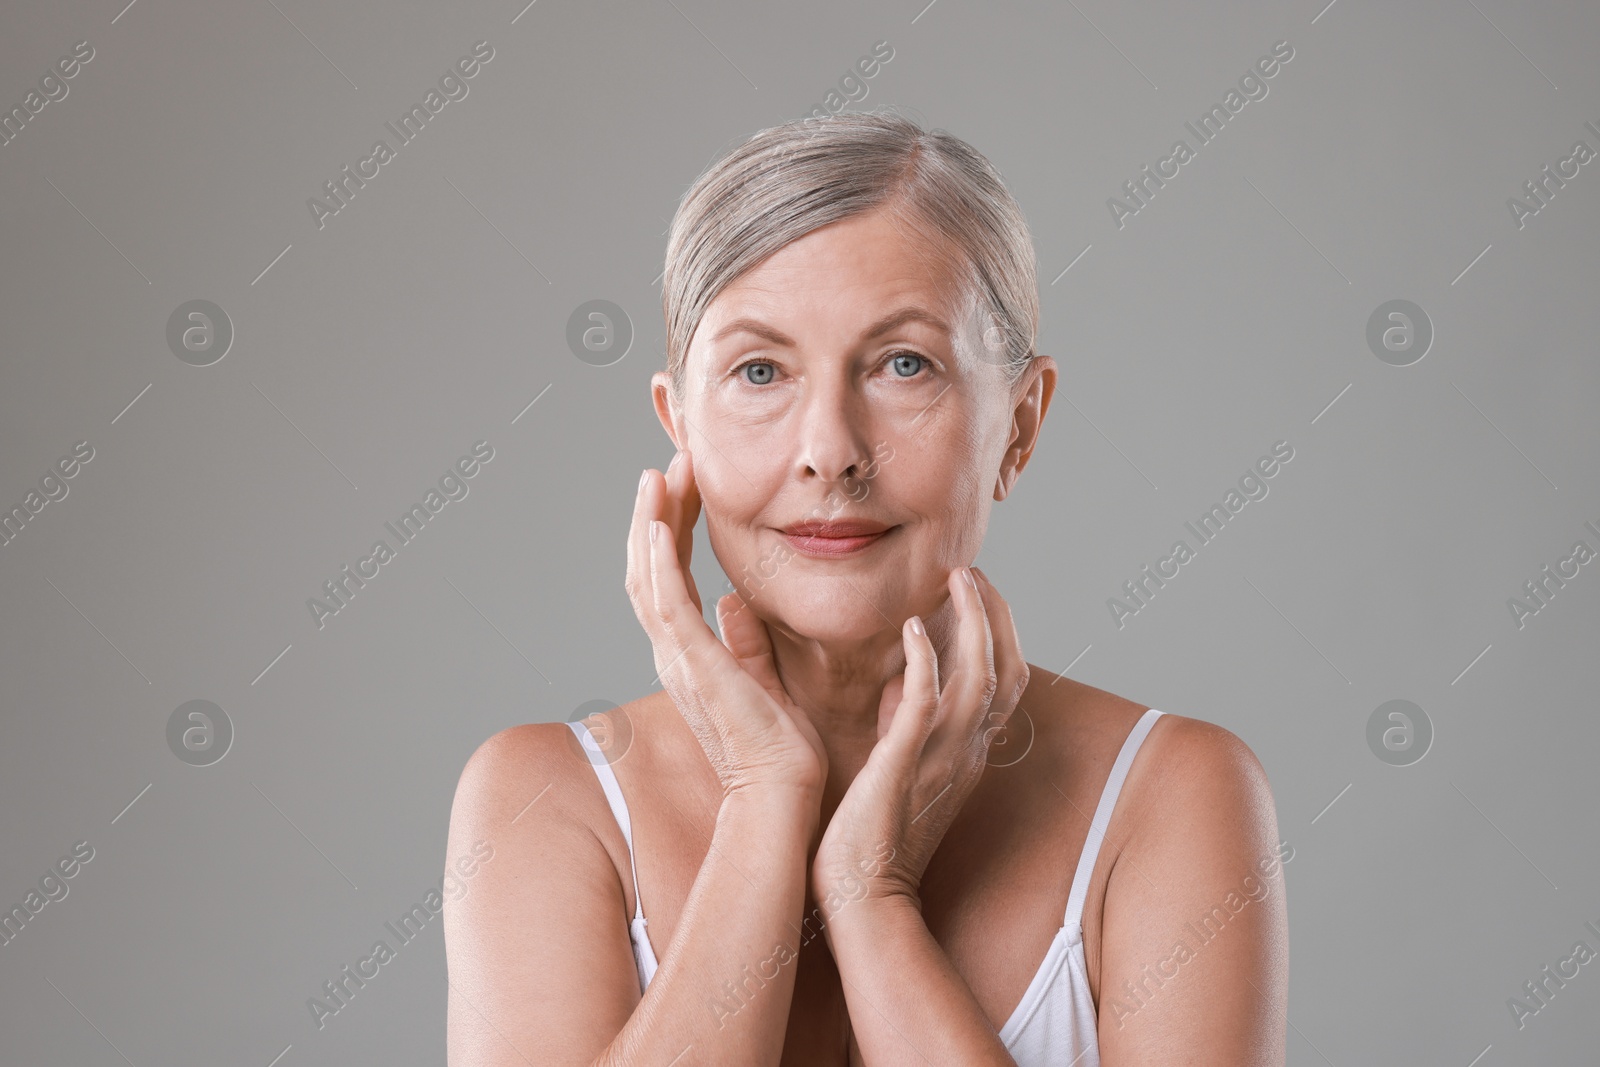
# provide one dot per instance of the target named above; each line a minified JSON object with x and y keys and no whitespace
{"x":727,"y":690}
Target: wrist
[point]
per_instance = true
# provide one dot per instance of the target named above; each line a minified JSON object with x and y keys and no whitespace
{"x":785,"y":804}
{"x":860,"y":891}
{"x":882,"y":902}
{"x":842,"y":871}
{"x":872,"y":920}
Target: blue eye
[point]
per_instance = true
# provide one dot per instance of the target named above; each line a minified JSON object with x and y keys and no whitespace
{"x":899,"y":363}
{"x":760,"y":372}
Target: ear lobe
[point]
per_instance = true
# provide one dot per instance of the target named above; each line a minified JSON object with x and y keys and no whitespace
{"x":1003,"y":483}
{"x":661,"y":396}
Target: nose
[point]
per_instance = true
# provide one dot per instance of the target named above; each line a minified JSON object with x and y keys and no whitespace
{"x":832,"y":436}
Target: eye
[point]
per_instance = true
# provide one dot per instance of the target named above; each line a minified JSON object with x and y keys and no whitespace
{"x":755,"y":371}
{"x":906,"y":364}
{"x":759,"y":372}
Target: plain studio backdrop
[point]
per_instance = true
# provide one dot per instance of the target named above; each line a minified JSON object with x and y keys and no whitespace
{"x":225,"y":467}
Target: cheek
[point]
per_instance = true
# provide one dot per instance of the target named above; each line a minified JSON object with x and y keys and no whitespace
{"x":730,"y":507}
{"x":949,"y":500}
{"x":738,"y":422}
{"x":724,"y":549}
{"x":948,"y":486}
{"x":726,"y":489}
{"x":936,"y":467}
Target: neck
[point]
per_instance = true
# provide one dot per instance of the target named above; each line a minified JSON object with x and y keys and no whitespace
{"x":839,"y":685}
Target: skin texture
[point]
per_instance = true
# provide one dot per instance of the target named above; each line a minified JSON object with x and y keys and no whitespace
{"x":881,"y":825}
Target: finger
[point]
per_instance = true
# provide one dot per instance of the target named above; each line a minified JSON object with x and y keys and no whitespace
{"x":682,"y":512}
{"x":681,"y":621}
{"x":637,"y":582}
{"x":913,"y":718}
{"x":972,"y":678}
{"x":684,"y":492}
{"x":747,"y":638}
{"x":894,"y":691}
{"x":1011,"y":669}
{"x":664,"y":627}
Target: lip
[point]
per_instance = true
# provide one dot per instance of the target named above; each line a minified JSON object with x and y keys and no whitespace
{"x":832,"y":540}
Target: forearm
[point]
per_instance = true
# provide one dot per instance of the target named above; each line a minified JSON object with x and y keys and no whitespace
{"x":723,"y":987}
{"x":907,"y":1003}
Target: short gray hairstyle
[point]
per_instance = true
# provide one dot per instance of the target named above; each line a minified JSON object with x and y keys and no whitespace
{"x":787,"y":180}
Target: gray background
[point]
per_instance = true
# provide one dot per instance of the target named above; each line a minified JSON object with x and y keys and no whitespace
{"x":1230,"y":313}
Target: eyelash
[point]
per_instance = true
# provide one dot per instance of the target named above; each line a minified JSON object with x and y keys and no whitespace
{"x":926,"y":362}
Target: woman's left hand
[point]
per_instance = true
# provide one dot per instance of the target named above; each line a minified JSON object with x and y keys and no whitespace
{"x":932,"y":747}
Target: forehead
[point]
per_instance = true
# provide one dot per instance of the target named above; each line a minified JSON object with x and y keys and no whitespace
{"x":849,"y":272}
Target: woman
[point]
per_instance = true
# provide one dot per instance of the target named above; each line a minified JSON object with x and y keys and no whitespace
{"x":823,"y":847}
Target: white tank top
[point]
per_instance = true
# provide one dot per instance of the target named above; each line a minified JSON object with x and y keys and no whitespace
{"x":1055,"y":1022}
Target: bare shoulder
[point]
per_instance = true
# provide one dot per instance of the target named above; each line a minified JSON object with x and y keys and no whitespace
{"x":519,"y":799}
{"x":1190,"y":780}
{"x":515,"y":768}
{"x":534,"y":786}
{"x":535,"y":953}
{"x":1197,"y":890}
{"x":549,"y":758}
{"x":514,"y":748}
{"x":1202,"y":760}
{"x":1200,"y":796}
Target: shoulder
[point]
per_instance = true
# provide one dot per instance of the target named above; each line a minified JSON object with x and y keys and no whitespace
{"x":1202,"y":856}
{"x":1203,"y":796}
{"x":1194,"y":789}
{"x":530,"y":789}
{"x":1201,"y":760}
{"x":510,"y":763}
{"x":536,"y":937}
{"x":521,"y":801}
{"x":544,"y":769}
{"x":1183,"y":763}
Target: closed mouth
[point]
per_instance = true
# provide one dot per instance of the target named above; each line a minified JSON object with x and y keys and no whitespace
{"x":831,"y":540}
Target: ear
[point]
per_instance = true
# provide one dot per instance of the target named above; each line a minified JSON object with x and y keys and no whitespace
{"x":1030,"y":400}
{"x":661,"y":393}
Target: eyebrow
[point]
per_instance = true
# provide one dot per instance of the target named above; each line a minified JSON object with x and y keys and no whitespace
{"x":882,"y":326}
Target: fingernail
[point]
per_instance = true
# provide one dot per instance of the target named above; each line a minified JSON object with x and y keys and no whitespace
{"x":675,"y":457}
{"x":966,"y":572}
{"x":653,"y":524}
{"x":916,"y":625}
{"x":642,"y":476}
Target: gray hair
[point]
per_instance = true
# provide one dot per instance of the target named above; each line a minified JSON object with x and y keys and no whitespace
{"x":787,"y":180}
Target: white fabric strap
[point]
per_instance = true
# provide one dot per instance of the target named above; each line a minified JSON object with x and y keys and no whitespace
{"x":619,"y":807}
{"x":1102,"y":816}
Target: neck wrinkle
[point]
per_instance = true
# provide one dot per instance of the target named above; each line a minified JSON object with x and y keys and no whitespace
{"x":840,"y":689}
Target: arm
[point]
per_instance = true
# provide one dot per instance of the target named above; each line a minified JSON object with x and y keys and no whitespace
{"x":540,"y":968}
{"x":907,"y":1002}
{"x":878,"y":945}
{"x":1195,"y":967}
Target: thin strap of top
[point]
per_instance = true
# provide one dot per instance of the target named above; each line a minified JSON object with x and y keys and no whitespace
{"x":619,"y":807}
{"x":1102,"y":816}
{"x":1080,"y":879}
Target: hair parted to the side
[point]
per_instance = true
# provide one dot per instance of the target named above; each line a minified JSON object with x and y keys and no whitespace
{"x":787,"y":180}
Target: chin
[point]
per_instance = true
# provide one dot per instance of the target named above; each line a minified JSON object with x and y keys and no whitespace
{"x":829,"y":609}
